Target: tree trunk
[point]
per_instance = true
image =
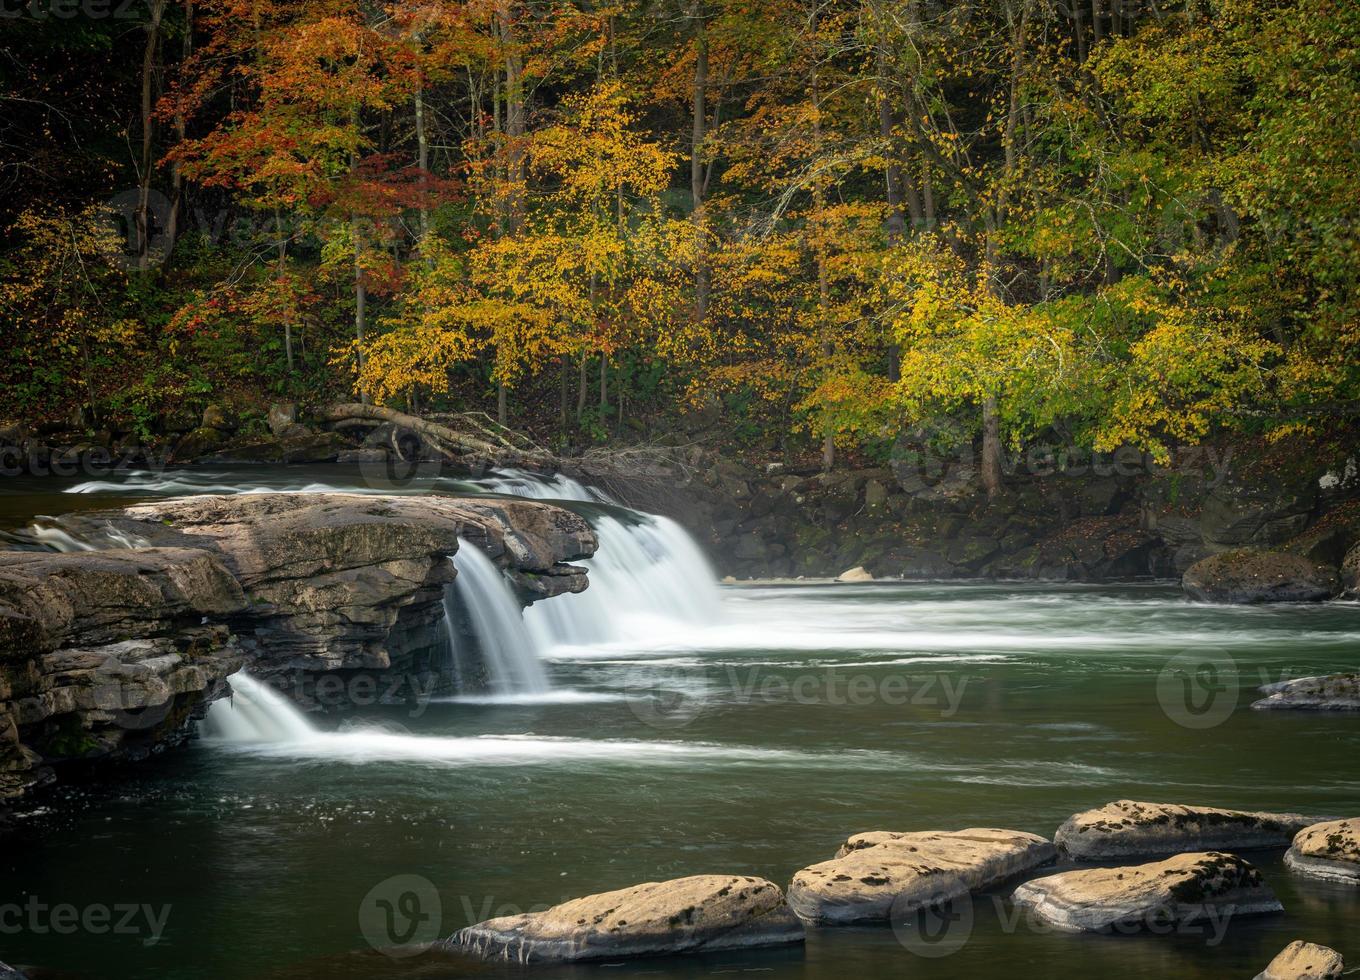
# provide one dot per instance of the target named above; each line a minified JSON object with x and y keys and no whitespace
{"x":360,"y":298}
{"x":176,"y":174}
{"x":142,"y":219}
{"x":282,"y":265}
{"x":422,"y":158}
{"x":991,"y":447}
{"x":581,"y":389}
{"x":696,"y":164}
{"x":604,"y":381}
{"x":502,"y":403}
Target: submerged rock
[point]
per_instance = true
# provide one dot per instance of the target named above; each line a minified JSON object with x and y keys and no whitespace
{"x":1328,"y":850}
{"x":1331,"y":692}
{"x":1182,"y":889}
{"x":698,"y":914}
{"x":856,"y":574}
{"x":1304,"y":961}
{"x":1260,"y":576}
{"x":879,"y":873}
{"x":9,"y":973}
{"x":1126,"y":828}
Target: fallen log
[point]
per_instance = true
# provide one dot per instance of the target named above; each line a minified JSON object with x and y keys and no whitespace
{"x":448,"y":441}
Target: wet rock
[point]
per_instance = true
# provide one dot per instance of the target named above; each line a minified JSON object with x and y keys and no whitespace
{"x":1332,"y":692}
{"x":699,"y":914}
{"x":1304,"y":961}
{"x":1185,"y":888}
{"x":1126,"y":828}
{"x":9,"y":973}
{"x":1259,"y":576}
{"x":856,"y":574}
{"x":877,"y":873}
{"x":923,"y":563}
{"x":1328,"y":850}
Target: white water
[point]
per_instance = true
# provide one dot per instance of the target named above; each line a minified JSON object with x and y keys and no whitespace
{"x":256,"y":712}
{"x":647,"y":580}
{"x":260,"y":720}
{"x":62,"y":540}
{"x":509,"y":651}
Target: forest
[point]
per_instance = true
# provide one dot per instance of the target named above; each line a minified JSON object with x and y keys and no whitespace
{"x":1131,"y":222}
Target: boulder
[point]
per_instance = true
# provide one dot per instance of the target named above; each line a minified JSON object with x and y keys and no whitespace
{"x":1350,"y":573}
{"x":1125,"y":829}
{"x":1328,"y":850}
{"x":281,"y":416}
{"x":878,"y":873}
{"x":1259,"y":576}
{"x":856,"y":574}
{"x":200,"y":442}
{"x":216,"y":417}
{"x":922,"y":563}
{"x":700,"y":914}
{"x":1331,"y":692}
{"x":9,"y":973}
{"x":1182,"y":889}
{"x":1304,"y":961}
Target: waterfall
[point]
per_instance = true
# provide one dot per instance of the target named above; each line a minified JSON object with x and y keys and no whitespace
{"x":509,"y":652}
{"x":647,"y":576}
{"x":256,"y":713}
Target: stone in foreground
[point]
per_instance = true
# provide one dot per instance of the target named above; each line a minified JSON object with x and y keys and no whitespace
{"x":879,"y":874}
{"x":1328,"y":850}
{"x":1245,"y":576}
{"x":1331,"y":692}
{"x":1127,"y":828}
{"x":1304,"y":961}
{"x":9,"y":973}
{"x":1160,"y":895}
{"x":699,"y":914}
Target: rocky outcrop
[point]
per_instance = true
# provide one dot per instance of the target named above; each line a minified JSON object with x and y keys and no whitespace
{"x":1330,"y":692}
{"x":106,"y":655}
{"x":110,"y":654}
{"x":1182,"y":889}
{"x":1328,"y":850}
{"x":699,"y":914}
{"x":1126,"y":828}
{"x":352,"y":581}
{"x":1304,"y":961}
{"x":1260,"y":576}
{"x":878,"y":873}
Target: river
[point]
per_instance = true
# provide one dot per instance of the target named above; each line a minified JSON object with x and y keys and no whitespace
{"x":680,"y":727}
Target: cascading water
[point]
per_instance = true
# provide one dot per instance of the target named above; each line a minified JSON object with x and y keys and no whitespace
{"x":256,"y":712}
{"x":509,"y":651}
{"x":647,"y":576}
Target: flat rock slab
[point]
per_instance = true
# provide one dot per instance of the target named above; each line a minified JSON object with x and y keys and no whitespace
{"x":1182,"y":889}
{"x":1331,"y":692}
{"x":877,"y":874}
{"x":686,"y":915}
{"x":1304,"y":961}
{"x":1127,"y":828}
{"x":1328,"y":850}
